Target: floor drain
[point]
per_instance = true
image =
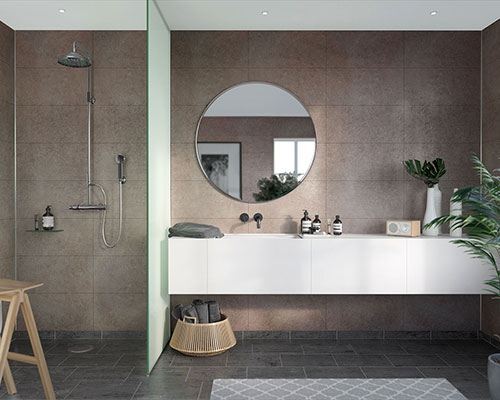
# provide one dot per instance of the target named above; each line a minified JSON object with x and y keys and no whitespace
{"x":80,"y":349}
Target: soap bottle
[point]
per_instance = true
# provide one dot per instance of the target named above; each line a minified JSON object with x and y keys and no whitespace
{"x":329,"y":226}
{"x":337,"y":226}
{"x":48,"y":219}
{"x":305,"y":223}
{"x":316,"y":224}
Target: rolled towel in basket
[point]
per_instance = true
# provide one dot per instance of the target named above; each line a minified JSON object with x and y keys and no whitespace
{"x":191,"y":313}
{"x":202,"y":310}
{"x":213,"y":311}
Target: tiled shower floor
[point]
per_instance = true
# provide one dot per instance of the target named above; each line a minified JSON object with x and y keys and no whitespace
{"x":115,"y":369}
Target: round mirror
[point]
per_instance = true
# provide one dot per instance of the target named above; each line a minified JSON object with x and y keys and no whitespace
{"x":255,"y":142}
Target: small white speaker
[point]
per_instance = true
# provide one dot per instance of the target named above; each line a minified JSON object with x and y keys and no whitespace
{"x":403,"y":228}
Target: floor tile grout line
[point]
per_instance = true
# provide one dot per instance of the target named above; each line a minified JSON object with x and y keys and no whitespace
{"x":65,"y":379}
{"x":117,"y":361}
{"x":305,"y":373}
{"x":201,"y":388}
{"x":128,"y":375}
{"x":187,"y":375}
{"x":60,"y":364}
{"x":136,"y":390}
{"x":363,"y":372}
{"x":388,"y":359}
{"x":72,"y":390}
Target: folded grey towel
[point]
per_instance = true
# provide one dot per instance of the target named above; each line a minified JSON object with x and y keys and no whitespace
{"x":213,"y":311}
{"x":192,"y":230}
{"x":190,"y":312}
{"x":202,"y":310}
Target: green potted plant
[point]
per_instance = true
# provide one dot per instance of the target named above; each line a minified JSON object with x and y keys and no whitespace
{"x":481,"y":223}
{"x":276,"y":186}
{"x":430,"y":172}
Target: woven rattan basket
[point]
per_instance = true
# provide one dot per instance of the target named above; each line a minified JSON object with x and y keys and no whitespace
{"x":203,"y":340}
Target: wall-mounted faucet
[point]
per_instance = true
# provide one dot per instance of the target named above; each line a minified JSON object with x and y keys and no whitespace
{"x":244,"y":218}
{"x":258,"y":218}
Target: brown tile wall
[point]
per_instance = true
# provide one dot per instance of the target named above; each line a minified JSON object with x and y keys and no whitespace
{"x":347,"y":313}
{"x":87,"y":287}
{"x":6,"y":151}
{"x":376,"y":98}
{"x":491,"y":143}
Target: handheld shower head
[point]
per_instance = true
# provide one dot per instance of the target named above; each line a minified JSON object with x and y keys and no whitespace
{"x":120,"y":160}
{"x":74,"y":59}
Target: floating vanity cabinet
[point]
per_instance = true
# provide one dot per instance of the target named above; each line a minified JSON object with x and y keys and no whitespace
{"x":437,"y":266}
{"x":187,"y":266}
{"x":357,"y":265}
{"x":259,"y":266}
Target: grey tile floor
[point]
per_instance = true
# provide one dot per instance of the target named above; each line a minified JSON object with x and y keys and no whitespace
{"x":115,"y":369}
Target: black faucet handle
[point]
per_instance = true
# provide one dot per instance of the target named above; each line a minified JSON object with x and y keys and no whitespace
{"x":257,"y":216}
{"x":244,"y":217}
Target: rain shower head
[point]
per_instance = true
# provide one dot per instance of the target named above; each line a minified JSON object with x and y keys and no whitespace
{"x":74,"y":59}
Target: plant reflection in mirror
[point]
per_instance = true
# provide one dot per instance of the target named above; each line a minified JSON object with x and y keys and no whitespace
{"x":275,"y":186}
{"x":481,"y":221}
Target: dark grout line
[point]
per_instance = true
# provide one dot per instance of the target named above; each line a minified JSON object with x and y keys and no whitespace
{"x":72,"y":390}
{"x":65,"y":379}
{"x":128,"y":375}
{"x":136,"y":389}
{"x":117,"y":361}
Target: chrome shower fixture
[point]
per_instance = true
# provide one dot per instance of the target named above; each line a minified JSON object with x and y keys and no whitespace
{"x":75,"y":59}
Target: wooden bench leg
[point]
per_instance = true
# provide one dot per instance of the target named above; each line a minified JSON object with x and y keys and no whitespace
{"x":37,"y":348}
{"x":8,"y":330}
{"x":9,"y":380}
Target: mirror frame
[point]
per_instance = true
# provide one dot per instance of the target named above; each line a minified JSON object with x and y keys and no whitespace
{"x":198,"y":129}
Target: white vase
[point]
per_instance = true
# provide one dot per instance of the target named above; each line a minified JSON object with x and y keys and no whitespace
{"x":430,"y":213}
{"x":438,"y":196}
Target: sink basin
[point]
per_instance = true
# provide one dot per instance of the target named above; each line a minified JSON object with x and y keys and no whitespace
{"x":262,"y":236}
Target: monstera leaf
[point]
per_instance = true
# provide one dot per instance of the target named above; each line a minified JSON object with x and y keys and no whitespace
{"x":429,"y":172}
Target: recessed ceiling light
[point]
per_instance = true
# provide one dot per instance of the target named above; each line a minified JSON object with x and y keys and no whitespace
{"x":264,"y":13}
{"x":434,"y":12}
{"x":62,"y":10}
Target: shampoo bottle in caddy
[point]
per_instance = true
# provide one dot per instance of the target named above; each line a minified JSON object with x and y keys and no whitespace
{"x":337,"y":226}
{"x":48,"y":219}
{"x":305,"y":223}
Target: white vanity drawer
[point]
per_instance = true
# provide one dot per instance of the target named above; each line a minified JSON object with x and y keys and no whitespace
{"x":187,"y":266}
{"x":259,"y":266}
{"x":359,"y":266}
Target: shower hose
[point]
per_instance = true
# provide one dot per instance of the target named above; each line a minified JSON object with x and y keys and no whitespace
{"x":103,"y":223}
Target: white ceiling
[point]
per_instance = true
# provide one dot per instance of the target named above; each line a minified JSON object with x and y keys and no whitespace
{"x":79,"y":15}
{"x":246,"y":14}
{"x":330,"y":14}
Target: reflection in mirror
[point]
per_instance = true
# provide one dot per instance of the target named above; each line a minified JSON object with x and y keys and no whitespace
{"x":256,"y":142}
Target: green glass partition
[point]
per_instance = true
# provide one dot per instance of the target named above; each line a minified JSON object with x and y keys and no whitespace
{"x":158,"y":181}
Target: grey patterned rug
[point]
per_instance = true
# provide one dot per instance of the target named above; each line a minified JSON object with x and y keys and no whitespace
{"x":338,"y":389}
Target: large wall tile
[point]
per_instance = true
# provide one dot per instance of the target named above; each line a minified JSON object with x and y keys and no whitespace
{"x":120,"y":124}
{"x":308,"y":84}
{"x":318,"y":116}
{"x":52,"y":161}
{"x":6,"y":44}
{"x":198,"y":86}
{"x":197,"y":199}
{"x":366,"y":199}
{"x":287,"y":313}
{"x":120,"y":274}
{"x":105,"y":167}
{"x":119,"y":49}
{"x":33,"y":196}
{"x":442,"y":124}
{"x":365,"y":162}
{"x":491,"y":43}
{"x":362,"y":225}
{"x":7,"y":199}
{"x":491,"y":155}
{"x":185,"y":167}
{"x":56,"y":86}
{"x":367,"y":313}
{"x":134,"y":201}
{"x":6,"y":122}
{"x":124,"y":86}
{"x":133,"y":240}
{"x":7,"y":238}
{"x":365,"y":86}
{"x":7,"y":79}
{"x":270,"y":224}
{"x":6,"y":160}
{"x":367,"y":49}
{"x":440,"y":313}
{"x":490,"y":312}
{"x":365,"y":124}
{"x":430,"y":49}
{"x":209,"y":49}
{"x":183,"y":122}
{"x":41,"y":49}
{"x":59,"y":274}
{"x":491,"y":82}
{"x":442,"y":86}
{"x":491,"y":121}
{"x":120,"y":312}
{"x":76,"y":240}
{"x":287,"y":49}
{"x":51,"y":124}
{"x":7,"y":268}
{"x":60,"y":311}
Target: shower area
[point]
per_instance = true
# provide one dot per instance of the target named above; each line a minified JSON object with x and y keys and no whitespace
{"x":79,"y":144}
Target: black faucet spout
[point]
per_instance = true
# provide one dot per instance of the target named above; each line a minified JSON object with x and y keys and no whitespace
{"x":258,"y":218}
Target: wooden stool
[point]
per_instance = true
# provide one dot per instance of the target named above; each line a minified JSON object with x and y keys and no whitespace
{"x":14,"y":293}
